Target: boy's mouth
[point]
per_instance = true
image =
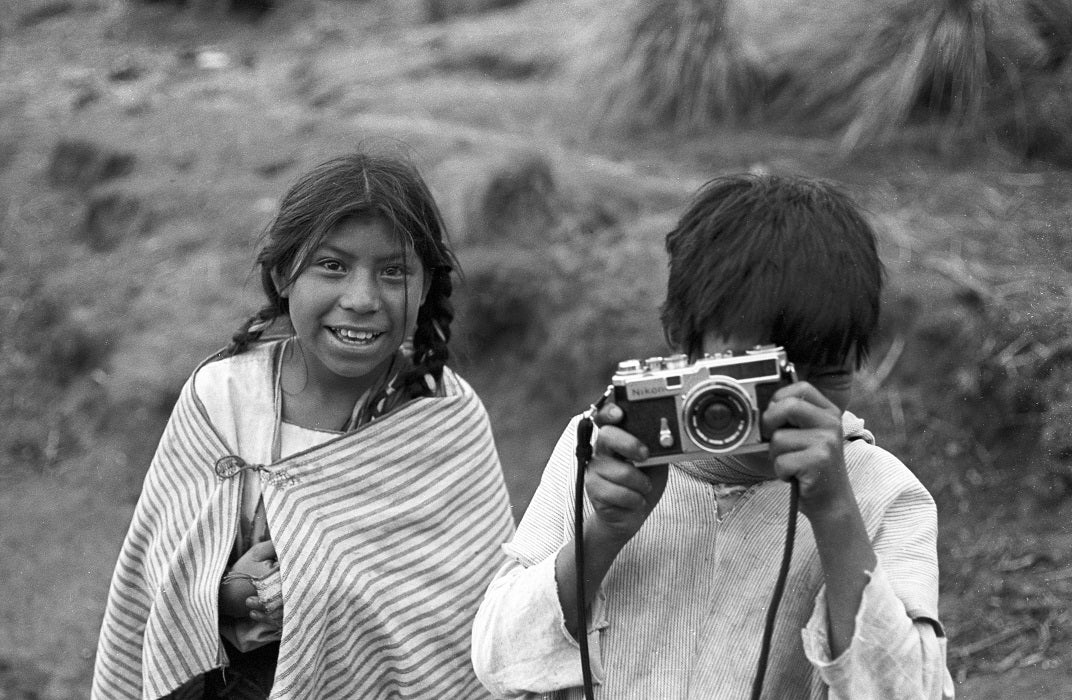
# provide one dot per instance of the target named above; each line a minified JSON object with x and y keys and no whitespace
{"x":351,"y":336}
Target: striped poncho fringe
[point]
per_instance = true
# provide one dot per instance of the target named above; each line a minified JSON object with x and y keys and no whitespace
{"x":387,"y":538}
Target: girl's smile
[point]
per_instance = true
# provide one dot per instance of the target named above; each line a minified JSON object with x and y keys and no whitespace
{"x":354,"y":305}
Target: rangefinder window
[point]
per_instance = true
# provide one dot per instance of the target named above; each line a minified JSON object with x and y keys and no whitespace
{"x":746,"y":370}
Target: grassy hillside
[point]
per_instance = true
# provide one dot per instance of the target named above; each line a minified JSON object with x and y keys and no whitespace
{"x":142,"y":148}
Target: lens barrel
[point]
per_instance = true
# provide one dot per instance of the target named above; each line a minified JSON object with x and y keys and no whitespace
{"x":718,"y":415}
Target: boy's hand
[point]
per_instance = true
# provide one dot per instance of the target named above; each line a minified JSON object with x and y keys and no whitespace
{"x":807,"y":444}
{"x":623,"y":495}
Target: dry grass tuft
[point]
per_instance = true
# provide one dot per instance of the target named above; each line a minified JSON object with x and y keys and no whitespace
{"x":895,"y":64}
{"x":865,"y":73}
{"x":684,"y":70}
{"x":1053,"y":19}
{"x":962,"y":68}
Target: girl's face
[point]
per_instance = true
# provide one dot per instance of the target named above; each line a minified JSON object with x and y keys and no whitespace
{"x":355,"y":303}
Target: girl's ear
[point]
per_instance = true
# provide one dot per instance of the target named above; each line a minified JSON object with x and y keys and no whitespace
{"x":281,"y":286}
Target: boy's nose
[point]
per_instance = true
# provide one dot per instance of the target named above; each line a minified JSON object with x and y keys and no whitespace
{"x":361,"y":294}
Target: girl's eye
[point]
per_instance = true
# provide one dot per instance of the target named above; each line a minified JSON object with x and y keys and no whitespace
{"x":394,"y":271}
{"x":331,"y":265}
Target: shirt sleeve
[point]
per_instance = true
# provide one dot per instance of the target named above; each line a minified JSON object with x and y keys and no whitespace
{"x":520,"y":641}
{"x":898,"y":649}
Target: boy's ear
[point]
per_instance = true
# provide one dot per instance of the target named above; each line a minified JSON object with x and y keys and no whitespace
{"x":281,"y":287}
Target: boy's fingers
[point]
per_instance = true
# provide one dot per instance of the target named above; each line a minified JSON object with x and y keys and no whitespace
{"x":621,"y":474}
{"x":609,"y":414}
{"x":804,"y":391}
{"x":609,"y":494}
{"x":789,"y":466}
{"x":801,"y":440}
{"x":800,"y":412}
{"x":615,"y":442}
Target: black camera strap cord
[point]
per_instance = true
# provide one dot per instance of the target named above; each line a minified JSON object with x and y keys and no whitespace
{"x":584,"y":455}
{"x":585,"y":428}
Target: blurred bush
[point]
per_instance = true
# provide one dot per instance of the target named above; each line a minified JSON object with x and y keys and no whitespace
{"x":497,"y":197}
{"x":981,"y":380}
{"x":440,"y":10}
{"x":686,"y":69}
{"x":47,"y":394}
{"x":941,"y":71}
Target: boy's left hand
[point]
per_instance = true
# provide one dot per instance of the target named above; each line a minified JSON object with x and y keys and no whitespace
{"x":807,"y":444}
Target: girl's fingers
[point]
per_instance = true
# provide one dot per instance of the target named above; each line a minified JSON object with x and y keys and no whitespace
{"x":261,"y":551}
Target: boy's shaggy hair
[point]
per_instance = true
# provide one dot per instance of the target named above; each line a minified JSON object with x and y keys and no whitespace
{"x":790,"y":260}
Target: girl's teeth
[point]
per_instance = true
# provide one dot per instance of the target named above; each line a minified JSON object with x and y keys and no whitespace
{"x":355,"y":335}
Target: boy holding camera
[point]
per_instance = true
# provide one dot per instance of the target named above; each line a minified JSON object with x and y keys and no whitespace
{"x":681,"y":559}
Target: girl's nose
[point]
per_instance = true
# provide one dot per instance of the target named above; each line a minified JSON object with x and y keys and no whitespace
{"x":361,"y":294}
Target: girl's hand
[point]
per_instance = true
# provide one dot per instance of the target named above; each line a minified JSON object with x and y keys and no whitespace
{"x":807,"y":445}
{"x":238,"y":595}
{"x":623,"y":495}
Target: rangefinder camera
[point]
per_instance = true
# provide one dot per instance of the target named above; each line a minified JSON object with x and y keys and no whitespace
{"x":685,"y":411}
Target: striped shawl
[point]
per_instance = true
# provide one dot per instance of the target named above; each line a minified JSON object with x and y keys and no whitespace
{"x":386,"y":538}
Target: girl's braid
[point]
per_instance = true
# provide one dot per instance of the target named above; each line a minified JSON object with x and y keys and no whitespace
{"x":430,"y":351}
{"x":251,"y":331}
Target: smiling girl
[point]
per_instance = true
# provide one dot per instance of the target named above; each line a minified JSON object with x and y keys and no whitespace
{"x":324,"y":509}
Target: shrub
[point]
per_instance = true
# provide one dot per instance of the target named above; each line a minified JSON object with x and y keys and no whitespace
{"x":864,"y":73}
{"x":440,"y":10}
{"x":43,"y":356}
{"x":684,"y":70}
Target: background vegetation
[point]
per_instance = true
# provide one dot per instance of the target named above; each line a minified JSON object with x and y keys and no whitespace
{"x":143,"y":146}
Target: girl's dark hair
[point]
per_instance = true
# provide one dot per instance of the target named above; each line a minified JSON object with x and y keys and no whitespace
{"x":360,"y":184}
{"x":790,"y":259}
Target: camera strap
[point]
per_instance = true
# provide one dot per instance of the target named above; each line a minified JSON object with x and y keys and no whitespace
{"x":585,"y":428}
{"x":583,"y":453}
{"x":779,"y":589}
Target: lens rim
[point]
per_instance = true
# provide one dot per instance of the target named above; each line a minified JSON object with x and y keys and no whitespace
{"x":738,"y":394}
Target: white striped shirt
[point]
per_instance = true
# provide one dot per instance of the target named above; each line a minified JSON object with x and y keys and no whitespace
{"x":681,"y":612}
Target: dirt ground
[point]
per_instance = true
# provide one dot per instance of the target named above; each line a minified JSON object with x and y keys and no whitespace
{"x":195,"y":125}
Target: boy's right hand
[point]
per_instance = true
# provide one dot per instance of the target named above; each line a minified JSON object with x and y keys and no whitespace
{"x":623,"y":495}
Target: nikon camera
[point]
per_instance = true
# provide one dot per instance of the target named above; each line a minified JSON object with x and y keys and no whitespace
{"x":684,"y":411}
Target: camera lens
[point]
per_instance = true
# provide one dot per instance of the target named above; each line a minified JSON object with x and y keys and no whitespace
{"x":718,"y":416}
